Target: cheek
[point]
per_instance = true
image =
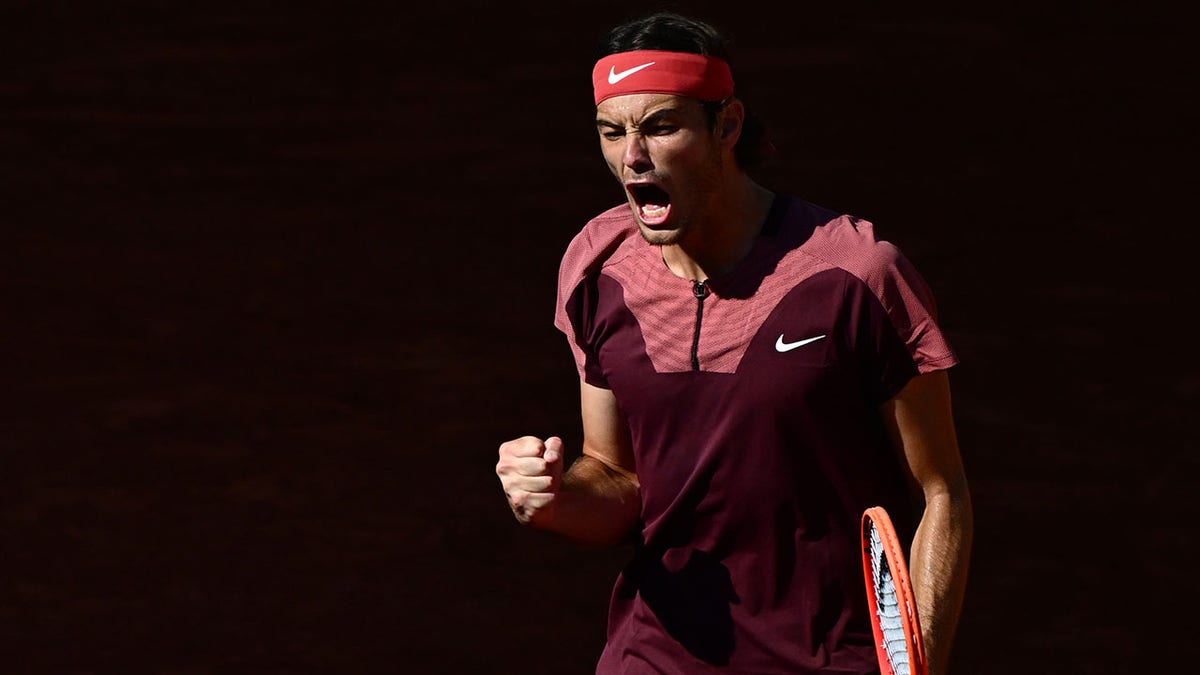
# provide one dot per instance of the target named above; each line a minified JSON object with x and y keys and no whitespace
{"x":612,"y":157}
{"x":686,"y":154}
{"x":688,"y":161}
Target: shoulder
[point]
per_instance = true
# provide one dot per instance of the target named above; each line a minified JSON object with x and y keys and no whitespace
{"x":853,"y":245}
{"x":597,"y":244}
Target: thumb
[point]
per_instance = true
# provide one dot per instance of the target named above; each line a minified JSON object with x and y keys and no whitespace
{"x":554,"y":450}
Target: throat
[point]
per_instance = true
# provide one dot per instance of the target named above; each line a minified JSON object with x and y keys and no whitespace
{"x":712,"y":247}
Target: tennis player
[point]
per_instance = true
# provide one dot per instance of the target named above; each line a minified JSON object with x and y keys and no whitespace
{"x":756,"y":371}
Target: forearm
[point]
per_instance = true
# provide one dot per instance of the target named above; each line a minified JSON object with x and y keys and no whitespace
{"x":938,"y":565}
{"x":596,"y":504}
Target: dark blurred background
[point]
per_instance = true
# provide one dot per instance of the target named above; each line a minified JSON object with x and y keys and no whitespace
{"x":278,"y":278}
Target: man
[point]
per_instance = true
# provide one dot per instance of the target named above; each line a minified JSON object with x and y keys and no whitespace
{"x":755,"y":372}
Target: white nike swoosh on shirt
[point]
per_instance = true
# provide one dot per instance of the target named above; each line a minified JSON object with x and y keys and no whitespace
{"x":615,"y":77}
{"x":781,"y":346}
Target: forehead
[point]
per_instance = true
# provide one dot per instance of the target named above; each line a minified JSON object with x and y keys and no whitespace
{"x":633,"y":107}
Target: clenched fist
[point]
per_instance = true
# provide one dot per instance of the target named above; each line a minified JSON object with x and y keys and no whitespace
{"x":530,"y":471}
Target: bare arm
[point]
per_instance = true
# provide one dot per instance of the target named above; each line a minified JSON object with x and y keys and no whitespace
{"x":920,"y":423}
{"x":596,"y":500}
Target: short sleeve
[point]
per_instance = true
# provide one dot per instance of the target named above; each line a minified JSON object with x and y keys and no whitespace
{"x":911,"y":308}
{"x":894,"y":326}
{"x":577,"y":296}
{"x":577,"y":322}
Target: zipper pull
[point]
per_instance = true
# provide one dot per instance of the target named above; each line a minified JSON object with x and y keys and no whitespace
{"x":700,"y":289}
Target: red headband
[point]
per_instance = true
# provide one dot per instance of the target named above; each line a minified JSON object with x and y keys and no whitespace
{"x":658,"y":72}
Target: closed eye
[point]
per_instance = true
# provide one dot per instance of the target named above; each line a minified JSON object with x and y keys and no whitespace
{"x":613,"y":133}
{"x":660,"y":122}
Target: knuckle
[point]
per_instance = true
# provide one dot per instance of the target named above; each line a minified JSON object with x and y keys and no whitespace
{"x":504,"y":467}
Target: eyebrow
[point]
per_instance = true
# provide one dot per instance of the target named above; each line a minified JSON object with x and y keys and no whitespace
{"x":648,"y":119}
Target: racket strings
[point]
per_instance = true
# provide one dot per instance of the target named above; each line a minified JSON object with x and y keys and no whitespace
{"x":888,"y":602}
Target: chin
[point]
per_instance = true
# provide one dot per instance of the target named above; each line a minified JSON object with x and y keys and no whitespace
{"x":660,"y":236}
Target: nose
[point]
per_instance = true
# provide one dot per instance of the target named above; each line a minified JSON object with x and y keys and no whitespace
{"x":636,"y":155}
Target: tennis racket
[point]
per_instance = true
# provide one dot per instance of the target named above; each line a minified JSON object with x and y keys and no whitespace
{"x":890,"y":596}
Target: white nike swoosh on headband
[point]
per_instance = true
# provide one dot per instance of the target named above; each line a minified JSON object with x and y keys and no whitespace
{"x":615,"y":77}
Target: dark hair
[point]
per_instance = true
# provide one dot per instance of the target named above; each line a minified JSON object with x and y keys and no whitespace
{"x":672,"y":32}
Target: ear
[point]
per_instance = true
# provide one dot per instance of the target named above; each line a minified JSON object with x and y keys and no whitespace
{"x":733,"y":115}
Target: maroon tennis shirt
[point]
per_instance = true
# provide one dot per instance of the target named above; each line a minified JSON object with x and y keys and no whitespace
{"x":753,"y":403}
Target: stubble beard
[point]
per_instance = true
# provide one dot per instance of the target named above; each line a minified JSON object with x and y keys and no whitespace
{"x":663,"y":237}
{"x":706,"y":184}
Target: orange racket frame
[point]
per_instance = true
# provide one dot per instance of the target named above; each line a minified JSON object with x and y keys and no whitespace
{"x":876,"y":516}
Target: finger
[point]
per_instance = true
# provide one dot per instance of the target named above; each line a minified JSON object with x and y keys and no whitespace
{"x":531,"y":484}
{"x":527,"y":446}
{"x":536,"y":500}
{"x":529,"y":466}
{"x":553,"y":449}
{"x":526,"y":503}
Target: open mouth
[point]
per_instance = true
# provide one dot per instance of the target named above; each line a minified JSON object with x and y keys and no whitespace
{"x":653,"y":202}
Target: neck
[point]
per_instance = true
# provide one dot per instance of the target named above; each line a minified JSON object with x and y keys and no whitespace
{"x":726,"y":235}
